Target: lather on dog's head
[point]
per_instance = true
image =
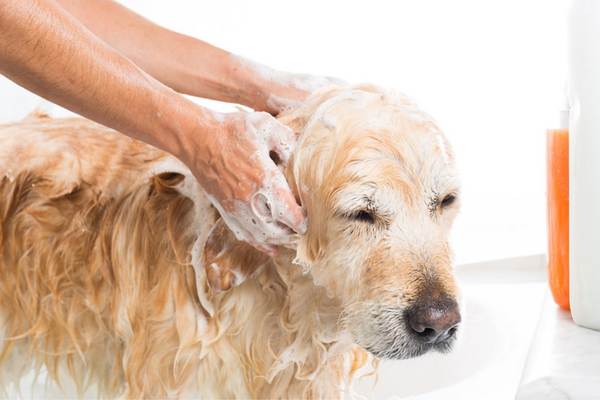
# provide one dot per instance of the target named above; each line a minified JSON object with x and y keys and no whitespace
{"x":378,"y":182}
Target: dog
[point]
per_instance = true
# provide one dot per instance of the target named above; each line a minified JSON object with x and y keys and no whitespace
{"x":119,"y":274}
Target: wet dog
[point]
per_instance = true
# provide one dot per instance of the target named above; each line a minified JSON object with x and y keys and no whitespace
{"x":118,"y":273}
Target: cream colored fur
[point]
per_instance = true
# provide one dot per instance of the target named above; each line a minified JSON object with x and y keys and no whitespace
{"x":109,"y":277}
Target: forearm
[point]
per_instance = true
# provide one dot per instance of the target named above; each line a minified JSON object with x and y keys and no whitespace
{"x":186,"y":64}
{"x":183,"y":63}
{"x":49,"y":52}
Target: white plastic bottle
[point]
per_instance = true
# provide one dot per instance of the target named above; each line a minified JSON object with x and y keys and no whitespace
{"x":584,"y":162}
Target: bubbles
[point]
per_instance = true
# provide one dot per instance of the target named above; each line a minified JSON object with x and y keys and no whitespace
{"x":282,"y":104}
{"x":218,"y":116}
{"x":303,"y":82}
{"x":261,"y":206}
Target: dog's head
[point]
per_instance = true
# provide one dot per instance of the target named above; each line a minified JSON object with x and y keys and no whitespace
{"x":378,"y":182}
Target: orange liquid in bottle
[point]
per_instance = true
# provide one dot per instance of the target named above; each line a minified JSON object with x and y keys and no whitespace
{"x":558,"y":215}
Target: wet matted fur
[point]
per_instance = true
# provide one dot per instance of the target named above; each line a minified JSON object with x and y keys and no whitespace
{"x":117,"y":272}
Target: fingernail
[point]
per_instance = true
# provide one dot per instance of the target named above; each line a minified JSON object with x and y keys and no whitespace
{"x":297,"y":221}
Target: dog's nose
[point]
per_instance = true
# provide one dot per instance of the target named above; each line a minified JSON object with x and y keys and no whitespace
{"x":434,"y":322}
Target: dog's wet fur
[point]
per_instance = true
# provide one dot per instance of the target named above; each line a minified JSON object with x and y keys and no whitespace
{"x":117,"y":272}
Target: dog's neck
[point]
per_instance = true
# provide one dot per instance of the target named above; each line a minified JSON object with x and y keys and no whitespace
{"x":301,"y":323}
{"x":310,"y":320}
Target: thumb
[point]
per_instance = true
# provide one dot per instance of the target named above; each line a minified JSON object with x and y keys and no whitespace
{"x":285,"y":210}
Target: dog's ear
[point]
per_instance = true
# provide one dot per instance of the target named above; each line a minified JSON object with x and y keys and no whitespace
{"x":228,"y":261}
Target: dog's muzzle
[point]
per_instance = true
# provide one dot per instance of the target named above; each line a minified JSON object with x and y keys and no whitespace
{"x":429,"y":324}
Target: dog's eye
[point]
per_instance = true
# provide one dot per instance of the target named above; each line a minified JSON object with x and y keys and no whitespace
{"x":448,"y":200}
{"x":363,"y":216}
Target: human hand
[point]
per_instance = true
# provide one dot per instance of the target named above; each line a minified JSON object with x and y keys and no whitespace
{"x":285,"y":91}
{"x":243,"y":182}
{"x":275,"y":91}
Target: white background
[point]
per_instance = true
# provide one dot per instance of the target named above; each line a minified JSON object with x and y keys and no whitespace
{"x":490,"y":72}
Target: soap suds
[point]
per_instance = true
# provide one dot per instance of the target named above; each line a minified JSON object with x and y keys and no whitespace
{"x":306,"y":82}
{"x":260,"y":220}
{"x":204,"y":219}
{"x":303,"y":82}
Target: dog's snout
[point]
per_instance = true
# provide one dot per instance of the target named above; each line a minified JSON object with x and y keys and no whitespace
{"x":434,"y":322}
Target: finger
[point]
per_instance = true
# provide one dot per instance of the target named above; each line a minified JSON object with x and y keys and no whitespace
{"x":293,"y":217}
{"x":277,"y":137}
{"x":261,"y":206}
{"x":284,"y":208}
{"x":267,"y":235}
{"x":279,"y":235}
{"x":269,"y":228}
{"x":282,"y":140}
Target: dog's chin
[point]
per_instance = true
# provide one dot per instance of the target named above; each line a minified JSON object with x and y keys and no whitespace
{"x":403,"y":350}
{"x":388,"y":336}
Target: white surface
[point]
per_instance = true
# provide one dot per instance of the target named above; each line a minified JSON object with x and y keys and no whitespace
{"x":564,"y":360}
{"x":584,"y":163}
{"x":491,"y":73}
{"x":503,"y":302}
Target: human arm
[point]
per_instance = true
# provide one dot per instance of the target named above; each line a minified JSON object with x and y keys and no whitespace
{"x":48,"y":51}
{"x":190,"y":65}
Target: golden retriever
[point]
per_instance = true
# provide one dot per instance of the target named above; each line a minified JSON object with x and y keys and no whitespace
{"x":117,"y":273}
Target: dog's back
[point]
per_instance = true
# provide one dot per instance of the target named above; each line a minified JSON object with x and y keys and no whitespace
{"x":93,"y":250}
{"x":97,"y":235}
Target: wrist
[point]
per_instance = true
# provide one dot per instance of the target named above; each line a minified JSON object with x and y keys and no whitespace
{"x":257,"y":84}
{"x":266,"y":89}
{"x":248,"y":82}
{"x":212,"y":73}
